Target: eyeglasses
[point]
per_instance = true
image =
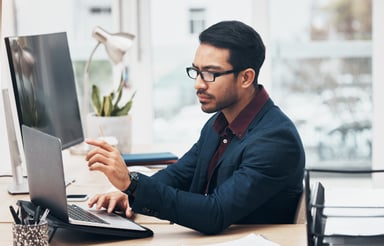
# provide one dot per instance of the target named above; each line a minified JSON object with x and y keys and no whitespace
{"x":206,"y":75}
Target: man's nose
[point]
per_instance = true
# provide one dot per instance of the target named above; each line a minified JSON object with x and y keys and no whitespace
{"x":200,"y":83}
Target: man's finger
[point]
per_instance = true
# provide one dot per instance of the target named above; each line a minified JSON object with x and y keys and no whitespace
{"x":100,"y":143}
{"x":111,"y":205}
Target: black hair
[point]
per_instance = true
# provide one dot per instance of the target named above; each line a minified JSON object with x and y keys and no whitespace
{"x":245,"y":45}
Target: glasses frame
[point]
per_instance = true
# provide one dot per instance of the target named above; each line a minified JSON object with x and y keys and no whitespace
{"x":214,"y":74}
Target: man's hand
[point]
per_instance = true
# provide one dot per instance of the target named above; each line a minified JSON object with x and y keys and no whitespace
{"x":112,"y":201}
{"x":108,"y":160}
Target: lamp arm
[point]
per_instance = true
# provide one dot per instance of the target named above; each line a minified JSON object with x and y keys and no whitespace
{"x":86,"y":89}
{"x":86,"y":68}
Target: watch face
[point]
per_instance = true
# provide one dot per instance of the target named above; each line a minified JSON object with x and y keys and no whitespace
{"x":134,"y":176}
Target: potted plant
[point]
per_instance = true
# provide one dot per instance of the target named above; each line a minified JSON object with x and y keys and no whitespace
{"x":111,"y":119}
{"x":109,"y":104}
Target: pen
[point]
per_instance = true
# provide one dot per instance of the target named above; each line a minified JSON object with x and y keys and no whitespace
{"x":36,"y":216}
{"x":45,"y":214}
{"x":23,"y":215}
{"x":14,"y":215}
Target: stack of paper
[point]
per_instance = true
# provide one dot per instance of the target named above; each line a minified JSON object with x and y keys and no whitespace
{"x":354,"y":212}
{"x":251,"y":239}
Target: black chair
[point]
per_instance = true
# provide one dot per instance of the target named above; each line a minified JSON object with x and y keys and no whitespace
{"x":314,"y":197}
{"x":301,"y":210}
{"x":316,"y":219}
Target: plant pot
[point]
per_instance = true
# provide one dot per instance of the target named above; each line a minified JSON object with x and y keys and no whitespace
{"x":119,"y":127}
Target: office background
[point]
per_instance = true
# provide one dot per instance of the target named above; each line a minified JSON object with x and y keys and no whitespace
{"x":322,"y":67}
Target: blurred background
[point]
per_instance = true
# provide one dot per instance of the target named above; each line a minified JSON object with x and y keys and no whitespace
{"x":319,"y":67}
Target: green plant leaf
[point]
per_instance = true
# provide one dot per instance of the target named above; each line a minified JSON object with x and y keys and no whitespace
{"x":95,"y":97}
{"x":108,"y":106}
{"x":119,"y":93}
{"x":123,"y":110}
{"x":126,"y":108}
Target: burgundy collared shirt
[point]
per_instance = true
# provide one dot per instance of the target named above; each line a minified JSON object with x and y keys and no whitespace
{"x":237,"y":128}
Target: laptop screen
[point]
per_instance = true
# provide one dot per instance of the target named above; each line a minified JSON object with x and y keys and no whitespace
{"x":45,"y":171}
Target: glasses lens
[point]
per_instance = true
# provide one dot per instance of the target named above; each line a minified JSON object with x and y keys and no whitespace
{"x":192,"y":73}
{"x":208,"y":76}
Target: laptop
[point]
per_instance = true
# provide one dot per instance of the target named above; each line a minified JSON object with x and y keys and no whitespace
{"x":43,"y":155}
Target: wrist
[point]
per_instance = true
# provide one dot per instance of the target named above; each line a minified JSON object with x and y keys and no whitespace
{"x":134,"y":180}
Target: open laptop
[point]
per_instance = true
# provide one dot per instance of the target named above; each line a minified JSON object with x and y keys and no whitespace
{"x":43,"y":154}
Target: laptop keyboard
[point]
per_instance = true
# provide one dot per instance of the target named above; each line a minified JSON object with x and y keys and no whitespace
{"x":77,"y":213}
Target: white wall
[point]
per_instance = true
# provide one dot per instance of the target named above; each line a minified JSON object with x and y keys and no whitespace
{"x":5,"y":30}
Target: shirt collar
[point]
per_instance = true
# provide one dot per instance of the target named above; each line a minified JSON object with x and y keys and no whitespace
{"x":242,"y":121}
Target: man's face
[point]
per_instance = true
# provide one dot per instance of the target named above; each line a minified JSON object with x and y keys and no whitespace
{"x":222,"y":94}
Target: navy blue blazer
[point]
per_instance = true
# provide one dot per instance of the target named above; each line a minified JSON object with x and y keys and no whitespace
{"x":257,"y":180}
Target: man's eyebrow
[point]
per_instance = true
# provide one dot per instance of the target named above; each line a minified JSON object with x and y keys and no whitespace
{"x":207,"y":67}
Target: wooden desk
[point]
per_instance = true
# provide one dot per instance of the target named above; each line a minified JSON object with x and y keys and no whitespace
{"x":164,"y":232}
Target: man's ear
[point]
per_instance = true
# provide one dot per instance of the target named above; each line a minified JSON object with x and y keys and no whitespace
{"x":247,"y":75}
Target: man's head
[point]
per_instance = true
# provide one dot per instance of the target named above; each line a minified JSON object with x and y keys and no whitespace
{"x":226,"y":67}
{"x":243,"y":42}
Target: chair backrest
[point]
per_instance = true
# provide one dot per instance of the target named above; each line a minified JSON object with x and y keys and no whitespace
{"x":301,"y":210}
{"x":307,"y":198}
{"x":317,"y":207}
{"x":315,"y":216}
{"x":314,"y":197}
{"x":315,"y":201}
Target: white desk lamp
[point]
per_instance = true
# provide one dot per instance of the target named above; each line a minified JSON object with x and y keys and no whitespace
{"x":116,"y":45}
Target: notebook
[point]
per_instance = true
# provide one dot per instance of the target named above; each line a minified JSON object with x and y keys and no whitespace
{"x":43,"y":155}
{"x":153,"y":158}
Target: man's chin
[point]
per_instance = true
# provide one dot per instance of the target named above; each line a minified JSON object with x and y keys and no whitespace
{"x":206,"y":109}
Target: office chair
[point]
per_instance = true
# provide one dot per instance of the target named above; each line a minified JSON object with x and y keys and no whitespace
{"x":316,"y":219}
{"x":300,"y":215}
{"x":314,"y":201}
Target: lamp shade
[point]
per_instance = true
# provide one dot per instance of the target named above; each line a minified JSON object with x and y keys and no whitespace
{"x":116,"y":44}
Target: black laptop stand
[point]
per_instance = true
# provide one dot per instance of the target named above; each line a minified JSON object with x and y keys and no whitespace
{"x":55,"y":224}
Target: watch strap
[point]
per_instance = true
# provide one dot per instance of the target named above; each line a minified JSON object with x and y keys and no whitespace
{"x":134,"y":181}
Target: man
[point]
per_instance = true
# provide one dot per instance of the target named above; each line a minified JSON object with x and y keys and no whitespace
{"x":246,"y":167}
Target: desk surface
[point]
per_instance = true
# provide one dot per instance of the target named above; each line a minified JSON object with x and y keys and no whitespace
{"x":164,"y":233}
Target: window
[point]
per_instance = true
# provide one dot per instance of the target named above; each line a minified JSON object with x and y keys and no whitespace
{"x":197,"y":20}
{"x":320,"y":56}
{"x":322,"y":77}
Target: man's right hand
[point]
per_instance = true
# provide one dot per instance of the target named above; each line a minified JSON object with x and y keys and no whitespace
{"x":112,"y":201}
{"x":107,"y":159}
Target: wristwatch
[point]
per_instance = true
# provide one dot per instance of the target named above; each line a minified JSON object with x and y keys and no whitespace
{"x":134,"y":181}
